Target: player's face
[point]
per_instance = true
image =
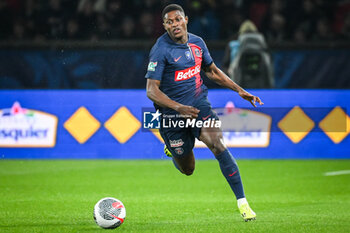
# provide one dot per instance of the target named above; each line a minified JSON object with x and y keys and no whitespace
{"x":175,"y":23}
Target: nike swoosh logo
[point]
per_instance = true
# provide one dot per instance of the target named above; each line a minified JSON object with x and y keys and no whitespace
{"x":204,"y":118}
{"x":176,"y":59}
{"x":233,"y":173}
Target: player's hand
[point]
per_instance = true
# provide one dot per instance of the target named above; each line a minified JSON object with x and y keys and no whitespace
{"x":251,"y":98}
{"x":188,"y":111}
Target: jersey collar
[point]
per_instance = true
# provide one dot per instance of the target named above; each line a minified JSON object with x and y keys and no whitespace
{"x":169,"y":40}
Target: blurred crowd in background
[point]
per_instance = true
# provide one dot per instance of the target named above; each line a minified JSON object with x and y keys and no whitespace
{"x":279,"y":20}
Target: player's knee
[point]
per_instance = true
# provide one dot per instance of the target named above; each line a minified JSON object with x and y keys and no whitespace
{"x":188,"y":171}
{"x":217,"y":146}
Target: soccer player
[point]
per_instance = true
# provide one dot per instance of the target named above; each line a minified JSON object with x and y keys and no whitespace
{"x":175,"y":86}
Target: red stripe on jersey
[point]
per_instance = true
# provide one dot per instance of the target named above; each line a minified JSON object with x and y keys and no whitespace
{"x":197,"y":54}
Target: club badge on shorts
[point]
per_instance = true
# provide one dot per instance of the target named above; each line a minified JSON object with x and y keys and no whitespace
{"x":179,"y":150}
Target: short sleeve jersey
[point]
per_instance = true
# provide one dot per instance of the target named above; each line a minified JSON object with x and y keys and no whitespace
{"x":178,"y":67}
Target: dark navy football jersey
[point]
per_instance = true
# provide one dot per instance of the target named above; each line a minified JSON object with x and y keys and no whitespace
{"x":178,"y":67}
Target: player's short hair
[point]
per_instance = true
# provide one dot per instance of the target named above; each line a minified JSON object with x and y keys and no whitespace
{"x":172,"y":7}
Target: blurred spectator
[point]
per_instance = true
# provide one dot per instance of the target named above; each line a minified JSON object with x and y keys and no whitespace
{"x":103,"y":29}
{"x":128,"y":28}
{"x":257,"y":11}
{"x":98,"y":6}
{"x":6,"y":23}
{"x":29,"y":12}
{"x":146,"y":29}
{"x":230,"y":18}
{"x":87,"y":18}
{"x":18,"y":31}
{"x":114,"y":12}
{"x":306,"y":17}
{"x":247,"y":60}
{"x":203,"y":21}
{"x":341,"y":11}
{"x":151,"y":6}
{"x":276,"y":30}
{"x":73,"y":30}
{"x":323,"y":31}
{"x":345,"y":33}
{"x":55,"y":18}
{"x":274,"y":24}
{"x":277,"y":6}
{"x":278,"y":20}
{"x":34,"y":15}
{"x":299,"y":35}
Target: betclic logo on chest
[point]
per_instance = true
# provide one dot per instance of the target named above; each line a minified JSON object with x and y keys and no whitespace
{"x":188,"y":73}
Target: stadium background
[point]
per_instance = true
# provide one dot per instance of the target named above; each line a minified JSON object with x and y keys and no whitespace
{"x":72,"y":87}
{"x":107,"y":48}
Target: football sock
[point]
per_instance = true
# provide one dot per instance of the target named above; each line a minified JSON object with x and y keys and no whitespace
{"x":230,"y":171}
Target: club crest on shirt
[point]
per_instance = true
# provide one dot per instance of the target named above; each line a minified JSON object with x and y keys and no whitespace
{"x":188,"y":55}
{"x":197,"y":52}
{"x":152,"y":66}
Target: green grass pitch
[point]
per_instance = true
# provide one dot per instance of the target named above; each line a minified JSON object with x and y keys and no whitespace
{"x":287,"y":195}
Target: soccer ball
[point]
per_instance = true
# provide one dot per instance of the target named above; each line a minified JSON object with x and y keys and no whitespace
{"x":109,"y":213}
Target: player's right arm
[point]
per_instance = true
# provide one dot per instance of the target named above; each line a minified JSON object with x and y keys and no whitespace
{"x":162,"y":100}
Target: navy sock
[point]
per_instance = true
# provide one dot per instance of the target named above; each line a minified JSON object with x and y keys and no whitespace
{"x":230,"y":170}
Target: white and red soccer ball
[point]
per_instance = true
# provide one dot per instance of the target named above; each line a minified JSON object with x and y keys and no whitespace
{"x":109,"y":213}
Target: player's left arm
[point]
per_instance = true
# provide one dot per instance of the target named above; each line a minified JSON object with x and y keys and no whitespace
{"x":218,"y":76}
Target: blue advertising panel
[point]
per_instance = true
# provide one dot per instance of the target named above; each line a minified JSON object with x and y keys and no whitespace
{"x":108,"y":124}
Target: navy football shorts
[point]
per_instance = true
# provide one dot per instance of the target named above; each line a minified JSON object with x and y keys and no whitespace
{"x":180,"y":140}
